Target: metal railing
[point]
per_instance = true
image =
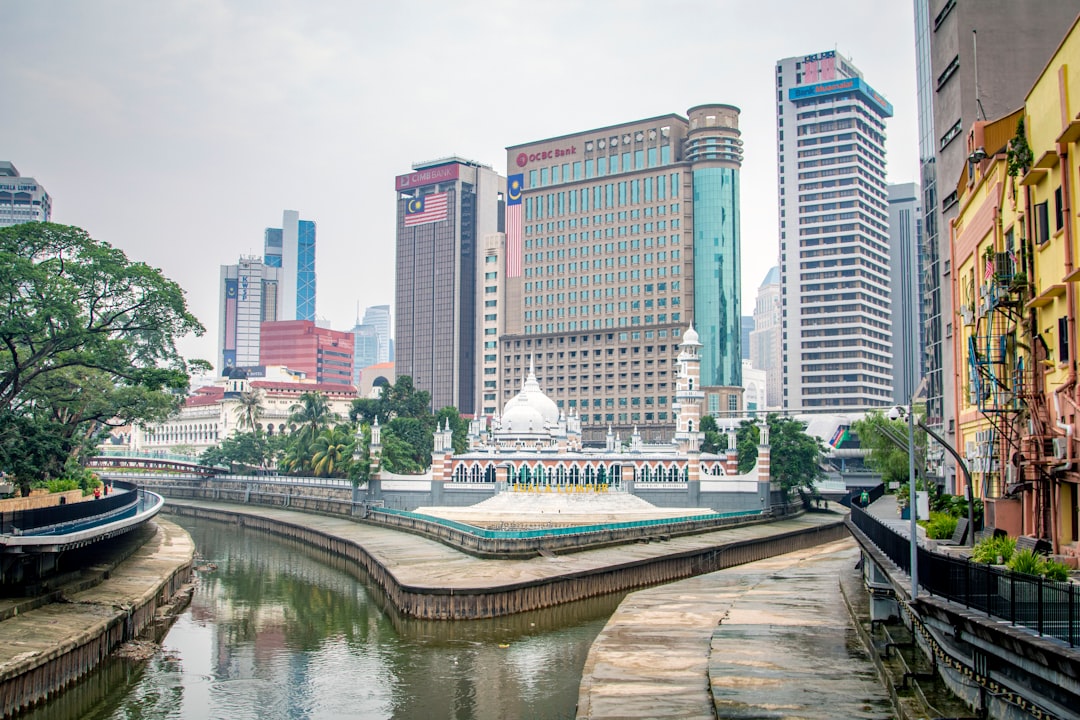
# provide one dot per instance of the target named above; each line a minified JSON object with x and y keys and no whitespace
{"x":1047,"y":607}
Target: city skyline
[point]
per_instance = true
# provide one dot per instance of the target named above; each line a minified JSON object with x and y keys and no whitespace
{"x":290,"y":108}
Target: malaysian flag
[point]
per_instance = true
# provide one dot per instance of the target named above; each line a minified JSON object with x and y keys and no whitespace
{"x":514,"y":185}
{"x":989,"y":272}
{"x":426,"y":209}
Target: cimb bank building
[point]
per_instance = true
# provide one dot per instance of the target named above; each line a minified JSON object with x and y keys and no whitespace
{"x":617,"y":239}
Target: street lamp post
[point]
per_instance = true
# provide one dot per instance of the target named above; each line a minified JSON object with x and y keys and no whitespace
{"x":895,"y":414}
{"x":912,"y":505}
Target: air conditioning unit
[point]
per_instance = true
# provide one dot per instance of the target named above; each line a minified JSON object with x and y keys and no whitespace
{"x":1061,"y":448}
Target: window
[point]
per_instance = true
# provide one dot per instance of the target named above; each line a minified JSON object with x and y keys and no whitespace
{"x":1063,"y":339}
{"x":952,"y":133}
{"x":1059,"y":219}
{"x":1042,"y":223}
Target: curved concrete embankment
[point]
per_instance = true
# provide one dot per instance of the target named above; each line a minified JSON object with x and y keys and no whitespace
{"x":45,"y":648}
{"x":767,"y":639}
{"x":429,"y":580}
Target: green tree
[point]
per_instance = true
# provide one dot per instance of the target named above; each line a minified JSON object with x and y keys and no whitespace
{"x":886,"y":441}
{"x":794,"y":455}
{"x":459,"y":427}
{"x":87,"y":337}
{"x":249,"y":410}
{"x":310,"y":416}
{"x":747,"y":436}
{"x":67,"y":300}
{"x":245,"y":451}
{"x":713,"y":439}
{"x":332,"y":452}
{"x":398,"y":456}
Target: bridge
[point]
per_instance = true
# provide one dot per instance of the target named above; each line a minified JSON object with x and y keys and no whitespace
{"x":151,"y":463}
{"x":33,"y":541}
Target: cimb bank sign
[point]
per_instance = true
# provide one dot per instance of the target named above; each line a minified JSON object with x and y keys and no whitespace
{"x":427,"y":176}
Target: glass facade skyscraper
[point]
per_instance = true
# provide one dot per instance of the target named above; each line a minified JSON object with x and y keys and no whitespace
{"x":291,"y":247}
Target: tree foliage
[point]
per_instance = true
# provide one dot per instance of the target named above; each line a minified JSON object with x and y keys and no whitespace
{"x":794,"y":455}
{"x":87,"y":338}
{"x":886,"y":441}
{"x":311,"y":415}
{"x":332,"y":451}
{"x":713,"y":441}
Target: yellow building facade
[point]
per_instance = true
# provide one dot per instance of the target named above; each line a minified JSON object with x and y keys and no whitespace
{"x":1016,"y":269}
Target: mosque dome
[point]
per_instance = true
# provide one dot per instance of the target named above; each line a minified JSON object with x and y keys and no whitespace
{"x":530,"y":409}
{"x":690,"y":337}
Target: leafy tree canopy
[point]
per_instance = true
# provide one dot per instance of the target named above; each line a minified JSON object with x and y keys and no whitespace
{"x":713,"y":441}
{"x":87,"y":338}
{"x":794,"y":455}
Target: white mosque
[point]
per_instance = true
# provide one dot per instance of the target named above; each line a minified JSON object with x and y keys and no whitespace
{"x":534,"y":446}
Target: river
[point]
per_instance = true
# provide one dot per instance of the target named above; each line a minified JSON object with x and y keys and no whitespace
{"x":278,"y":630}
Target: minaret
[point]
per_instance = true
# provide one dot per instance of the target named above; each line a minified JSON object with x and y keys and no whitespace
{"x":688,"y":394}
{"x":375,"y":448}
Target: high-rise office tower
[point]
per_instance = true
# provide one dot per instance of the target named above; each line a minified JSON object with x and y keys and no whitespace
{"x":617,"y":238}
{"x":22,"y":199}
{"x":249,"y":292}
{"x":765,"y":338}
{"x":292,"y":248}
{"x":908,"y":323}
{"x":365,"y":349}
{"x":378,"y":317}
{"x":1012,"y":41}
{"x":445,"y":207}
{"x":324,"y":355}
{"x":834,"y":243}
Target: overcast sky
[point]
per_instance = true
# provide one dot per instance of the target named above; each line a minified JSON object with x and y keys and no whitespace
{"x":179,"y":131}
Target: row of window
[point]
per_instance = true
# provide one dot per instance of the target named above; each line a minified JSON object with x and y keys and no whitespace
{"x":598,"y":324}
{"x":600,"y":167}
{"x":625,"y":192}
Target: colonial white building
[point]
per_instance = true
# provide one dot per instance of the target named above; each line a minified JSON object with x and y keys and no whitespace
{"x":212,"y":412}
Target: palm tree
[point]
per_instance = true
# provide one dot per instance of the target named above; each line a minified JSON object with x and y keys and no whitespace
{"x":249,"y":410}
{"x":332,"y":451}
{"x":310,"y":415}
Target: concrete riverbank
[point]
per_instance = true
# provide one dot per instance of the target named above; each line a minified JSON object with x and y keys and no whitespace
{"x":426,"y":579}
{"x":771,"y":638}
{"x":46,"y":644}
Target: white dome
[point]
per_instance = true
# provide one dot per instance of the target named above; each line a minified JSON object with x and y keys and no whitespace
{"x":521,"y":418}
{"x":530,"y":405}
{"x":690,"y":337}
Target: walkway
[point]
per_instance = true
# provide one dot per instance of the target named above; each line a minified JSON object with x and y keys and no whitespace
{"x":417,"y":562}
{"x":771,"y":638}
{"x":45,"y":646}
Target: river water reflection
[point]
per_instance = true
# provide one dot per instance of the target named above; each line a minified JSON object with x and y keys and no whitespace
{"x":279,"y":630}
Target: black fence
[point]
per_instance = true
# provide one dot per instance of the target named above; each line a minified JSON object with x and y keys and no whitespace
{"x":1047,"y":607}
{"x":29,"y":520}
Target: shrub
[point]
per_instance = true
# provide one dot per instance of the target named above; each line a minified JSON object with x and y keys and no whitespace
{"x":991,"y":548}
{"x":61,"y":485}
{"x":1031,"y":563}
{"x":1054,"y":570}
{"x":940,"y":526}
{"x":1025,"y":561}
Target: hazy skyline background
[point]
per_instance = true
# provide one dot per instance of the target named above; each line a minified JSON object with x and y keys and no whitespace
{"x":179,"y":131}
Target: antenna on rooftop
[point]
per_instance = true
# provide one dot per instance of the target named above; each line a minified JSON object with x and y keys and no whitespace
{"x":975,"y":60}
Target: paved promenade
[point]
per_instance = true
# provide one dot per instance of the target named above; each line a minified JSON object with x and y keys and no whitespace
{"x":418,"y":562}
{"x":36,"y":639}
{"x":771,"y":638}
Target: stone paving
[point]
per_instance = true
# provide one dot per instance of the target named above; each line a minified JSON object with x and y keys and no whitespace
{"x":769,"y":639}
